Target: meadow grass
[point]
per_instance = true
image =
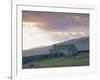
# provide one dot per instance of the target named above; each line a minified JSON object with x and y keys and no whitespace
{"x":81,"y":59}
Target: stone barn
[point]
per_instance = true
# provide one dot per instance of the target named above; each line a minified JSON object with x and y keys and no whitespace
{"x":63,"y":50}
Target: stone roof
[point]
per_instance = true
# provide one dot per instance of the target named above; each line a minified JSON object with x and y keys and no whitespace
{"x":62,"y":47}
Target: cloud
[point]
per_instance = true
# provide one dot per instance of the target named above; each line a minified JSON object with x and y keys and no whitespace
{"x":53,"y":21}
{"x":59,"y":26}
{"x":63,"y":36}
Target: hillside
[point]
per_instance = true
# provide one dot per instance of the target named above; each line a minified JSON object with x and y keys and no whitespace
{"x":81,"y":59}
{"x":82,"y":44}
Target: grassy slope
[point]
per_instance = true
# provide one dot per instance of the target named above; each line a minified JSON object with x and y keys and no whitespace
{"x":82,"y":59}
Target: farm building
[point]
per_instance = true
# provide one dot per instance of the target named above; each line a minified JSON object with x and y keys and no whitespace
{"x":65,"y":50}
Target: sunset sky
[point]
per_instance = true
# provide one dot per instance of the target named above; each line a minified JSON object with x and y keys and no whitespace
{"x":47,"y":28}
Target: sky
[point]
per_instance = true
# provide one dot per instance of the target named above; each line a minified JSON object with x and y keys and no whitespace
{"x":47,"y":28}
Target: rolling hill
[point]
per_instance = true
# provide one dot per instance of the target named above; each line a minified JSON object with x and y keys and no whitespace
{"x":82,"y":44}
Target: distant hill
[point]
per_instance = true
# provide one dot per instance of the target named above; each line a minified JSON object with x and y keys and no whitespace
{"x":82,"y":44}
{"x":36,"y":51}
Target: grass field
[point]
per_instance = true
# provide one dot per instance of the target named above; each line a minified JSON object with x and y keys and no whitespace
{"x":82,"y":59}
